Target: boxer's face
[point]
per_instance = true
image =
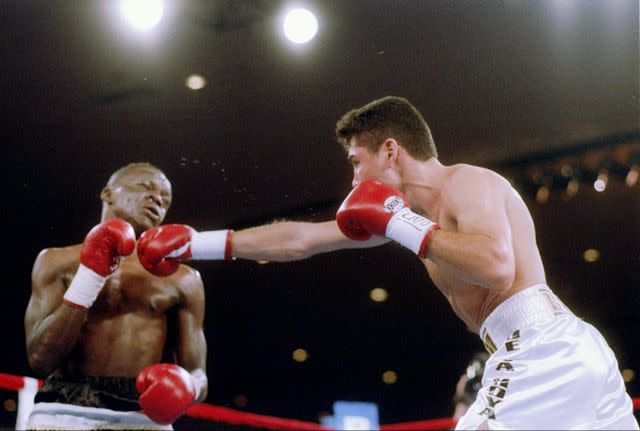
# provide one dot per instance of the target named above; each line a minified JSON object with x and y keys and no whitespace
{"x":141,"y":197}
{"x":367,"y":164}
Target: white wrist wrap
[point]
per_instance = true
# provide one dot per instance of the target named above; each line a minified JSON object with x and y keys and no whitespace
{"x":84,"y":288}
{"x":409,"y":229}
{"x":210,"y":245}
{"x":199,"y":379}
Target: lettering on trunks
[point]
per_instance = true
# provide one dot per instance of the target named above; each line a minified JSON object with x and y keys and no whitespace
{"x":495,"y":395}
{"x":505,"y":364}
{"x":512,"y":342}
{"x":489,"y":344}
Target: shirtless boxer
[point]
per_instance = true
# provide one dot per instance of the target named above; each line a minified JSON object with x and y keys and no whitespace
{"x":476,"y":238}
{"x":96,"y":320}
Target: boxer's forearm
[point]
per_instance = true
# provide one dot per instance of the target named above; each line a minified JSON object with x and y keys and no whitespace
{"x":288,"y":241}
{"x":476,"y":259}
{"x":52,"y":340}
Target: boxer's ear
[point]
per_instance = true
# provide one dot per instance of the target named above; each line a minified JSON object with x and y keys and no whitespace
{"x":106,"y":195}
{"x":391,"y":148}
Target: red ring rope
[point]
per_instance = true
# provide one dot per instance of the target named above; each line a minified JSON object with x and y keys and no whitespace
{"x":235,"y":417}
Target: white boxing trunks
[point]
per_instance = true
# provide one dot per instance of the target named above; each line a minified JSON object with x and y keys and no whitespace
{"x":71,"y":417}
{"x":548,"y":370}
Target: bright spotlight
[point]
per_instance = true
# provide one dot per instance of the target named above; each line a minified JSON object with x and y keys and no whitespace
{"x":601,"y":183}
{"x":142,"y":14}
{"x":195,"y":82}
{"x":300,"y":26}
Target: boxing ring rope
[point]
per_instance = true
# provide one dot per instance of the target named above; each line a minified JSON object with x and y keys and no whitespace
{"x":28,"y":386}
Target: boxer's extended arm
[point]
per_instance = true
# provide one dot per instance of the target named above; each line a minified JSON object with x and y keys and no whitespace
{"x":51,"y":328}
{"x":288,"y":241}
{"x":161,"y":249}
{"x":191,"y":344}
{"x":481,"y":251}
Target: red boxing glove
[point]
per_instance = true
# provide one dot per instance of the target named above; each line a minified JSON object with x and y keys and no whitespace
{"x":104,"y":247}
{"x":166,"y":392}
{"x":162,"y":248}
{"x":373,"y":208}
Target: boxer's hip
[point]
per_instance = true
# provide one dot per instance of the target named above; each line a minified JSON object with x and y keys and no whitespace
{"x":89,"y":402}
{"x":58,"y":416}
{"x":114,"y":393}
{"x":533,"y":305}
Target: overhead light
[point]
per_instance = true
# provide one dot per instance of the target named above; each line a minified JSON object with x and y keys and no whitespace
{"x":628,"y":375}
{"x":195,"y":82}
{"x":632,"y":177}
{"x":379,"y":294}
{"x":142,"y":14}
{"x":300,"y":26}
{"x":542,"y":195}
{"x":300,"y":355}
{"x":600,"y":184}
{"x":591,"y":255}
{"x":389,"y":377}
{"x":573,"y":184}
{"x":572,"y":187}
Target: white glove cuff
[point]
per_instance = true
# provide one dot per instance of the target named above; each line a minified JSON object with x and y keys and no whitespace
{"x":199,"y":380}
{"x":211,"y":245}
{"x":84,"y":288}
{"x":410,"y":229}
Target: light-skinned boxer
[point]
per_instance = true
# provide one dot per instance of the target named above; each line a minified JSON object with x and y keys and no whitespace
{"x":477,"y":241}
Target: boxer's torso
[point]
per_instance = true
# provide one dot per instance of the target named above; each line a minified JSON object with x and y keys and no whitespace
{"x":474,"y":303}
{"x":126,"y":329}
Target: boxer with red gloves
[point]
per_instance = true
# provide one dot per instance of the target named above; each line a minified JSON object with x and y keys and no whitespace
{"x":373,"y":208}
{"x":485,"y":260}
{"x":97,"y":318}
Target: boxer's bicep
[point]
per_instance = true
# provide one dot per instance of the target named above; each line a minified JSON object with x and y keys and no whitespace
{"x":47,"y":289}
{"x":480,"y":213}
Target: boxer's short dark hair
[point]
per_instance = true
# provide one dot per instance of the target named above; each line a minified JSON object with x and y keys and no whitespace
{"x":388,"y":117}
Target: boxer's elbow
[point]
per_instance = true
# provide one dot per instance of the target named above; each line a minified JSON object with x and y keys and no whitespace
{"x":501,"y":269}
{"x":40,"y":362}
{"x":44,"y":354}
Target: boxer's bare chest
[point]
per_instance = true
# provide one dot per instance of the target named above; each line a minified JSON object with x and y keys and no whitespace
{"x":465,"y":298}
{"x":131,"y":289}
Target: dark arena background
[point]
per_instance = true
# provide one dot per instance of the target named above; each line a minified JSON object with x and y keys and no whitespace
{"x":241,"y":119}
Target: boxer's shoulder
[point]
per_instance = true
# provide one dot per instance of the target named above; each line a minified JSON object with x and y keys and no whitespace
{"x":55,"y":262}
{"x":188,"y":280}
{"x":462,"y":174}
{"x":467,"y":183}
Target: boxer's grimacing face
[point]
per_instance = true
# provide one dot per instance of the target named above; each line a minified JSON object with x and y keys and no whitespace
{"x":142,"y":197}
